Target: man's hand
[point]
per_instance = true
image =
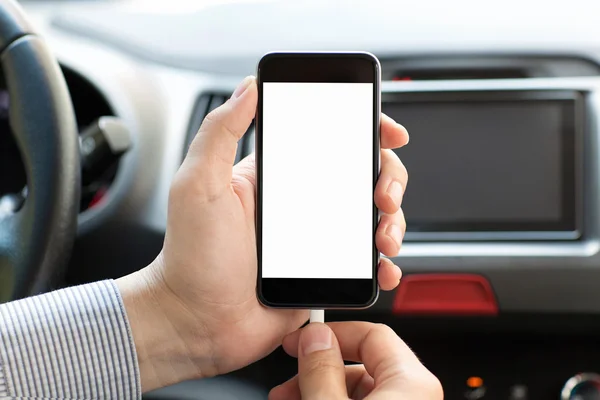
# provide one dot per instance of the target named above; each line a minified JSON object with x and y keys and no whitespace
{"x":194,"y":311}
{"x":390,"y":370}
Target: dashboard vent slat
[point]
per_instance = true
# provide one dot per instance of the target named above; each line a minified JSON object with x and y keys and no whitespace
{"x":460,"y":73}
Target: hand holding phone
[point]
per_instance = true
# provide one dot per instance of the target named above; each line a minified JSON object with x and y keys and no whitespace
{"x":204,"y":280}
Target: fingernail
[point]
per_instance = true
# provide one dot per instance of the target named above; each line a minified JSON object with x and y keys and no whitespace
{"x":242,"y":87}
{"x":395,"y":191}
{"x":394,"y":232}
{"x":315,"y":337}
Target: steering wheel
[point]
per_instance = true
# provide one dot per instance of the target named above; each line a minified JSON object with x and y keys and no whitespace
{"x":36,"y":236}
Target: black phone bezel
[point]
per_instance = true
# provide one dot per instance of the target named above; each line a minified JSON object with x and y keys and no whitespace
{"x":317,"y":67}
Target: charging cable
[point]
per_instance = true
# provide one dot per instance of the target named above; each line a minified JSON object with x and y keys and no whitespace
{"x":317,"y":316}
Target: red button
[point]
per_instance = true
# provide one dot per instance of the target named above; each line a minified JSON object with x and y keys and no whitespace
{"x":461,"y":294}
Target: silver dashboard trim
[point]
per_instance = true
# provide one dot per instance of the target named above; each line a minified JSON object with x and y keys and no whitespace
{"x":473,"y":248}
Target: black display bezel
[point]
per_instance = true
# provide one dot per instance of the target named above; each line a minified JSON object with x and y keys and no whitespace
{"x":569,"y":225}
{"x":317,"y":67}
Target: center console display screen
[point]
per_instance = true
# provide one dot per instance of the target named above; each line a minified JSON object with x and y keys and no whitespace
{"x":486,"y":163}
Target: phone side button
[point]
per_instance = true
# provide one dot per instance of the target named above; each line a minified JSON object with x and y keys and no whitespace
{"x":454,"y":294}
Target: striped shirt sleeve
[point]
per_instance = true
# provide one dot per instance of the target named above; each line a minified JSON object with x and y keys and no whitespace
{"x":74,"y":343}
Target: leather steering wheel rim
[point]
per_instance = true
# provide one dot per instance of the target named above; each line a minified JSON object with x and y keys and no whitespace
{"x":36,"y":239}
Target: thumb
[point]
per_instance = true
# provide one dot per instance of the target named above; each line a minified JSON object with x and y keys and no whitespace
{"x":212,"y":152}
{"x":321,"y":370}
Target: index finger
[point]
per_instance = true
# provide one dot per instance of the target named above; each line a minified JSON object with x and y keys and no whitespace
{"x":393,"y":135}
{"x":375,"y":345}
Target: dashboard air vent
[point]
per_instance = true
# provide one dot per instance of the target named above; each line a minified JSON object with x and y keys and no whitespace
{"x":459,"y":73}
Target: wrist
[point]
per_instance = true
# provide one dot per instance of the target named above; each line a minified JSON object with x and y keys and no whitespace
{"x":168,"y":338}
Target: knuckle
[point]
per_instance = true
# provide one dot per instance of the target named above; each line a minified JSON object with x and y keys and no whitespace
{"x":211,"y":119}
{"x":389,"y":158}
{"x":383,"y":329}
{"x":326,"y":394}
{"x":395,"y":166}
{"x":193,"y":187}
{"x":426,"y":383}
{"x":214,"y":121}
{"x":320,"y":367}
{"x":210,"y":122}
{"x":403,"y":170}
{"x":433,"y":386}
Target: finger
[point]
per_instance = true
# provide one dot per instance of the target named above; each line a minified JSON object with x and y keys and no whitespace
{"x":391,"y":184}
{"x":388,"y":274}
{"x":393,"y":135}
{"x":390,"y":233}
{"x":356,"y":339}
{"x":243,"y":182}
{"x":358,"y":382}
{"x":321,"y":373}
{"x":246,"y":168}
{"x":358,"y":385}
{"x":212,"y":152}
{"x":289,"y":390}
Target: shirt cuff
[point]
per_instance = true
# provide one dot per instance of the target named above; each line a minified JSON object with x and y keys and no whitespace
{"x":73,"y":343}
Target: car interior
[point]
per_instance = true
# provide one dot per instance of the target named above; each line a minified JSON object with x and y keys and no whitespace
{"x":500,"y":296}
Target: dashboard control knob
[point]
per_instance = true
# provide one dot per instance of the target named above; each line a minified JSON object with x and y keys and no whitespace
{"x":584,"y":386}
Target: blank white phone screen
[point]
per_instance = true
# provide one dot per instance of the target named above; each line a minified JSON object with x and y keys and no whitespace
{"x":317,"y":180}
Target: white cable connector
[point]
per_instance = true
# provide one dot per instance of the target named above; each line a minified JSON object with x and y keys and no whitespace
{"x":317,"y":316}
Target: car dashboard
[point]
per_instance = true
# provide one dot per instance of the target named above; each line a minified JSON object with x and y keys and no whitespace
{"x":507,"y":294}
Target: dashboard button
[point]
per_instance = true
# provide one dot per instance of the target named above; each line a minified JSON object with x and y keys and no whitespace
{"x":584,"y":386}
{"x":476,"y":394}
{"x":518,"y":392}
{"x":459,"y":294}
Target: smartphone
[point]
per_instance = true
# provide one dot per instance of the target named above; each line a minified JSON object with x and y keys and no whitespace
{"x":317,"y":162}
